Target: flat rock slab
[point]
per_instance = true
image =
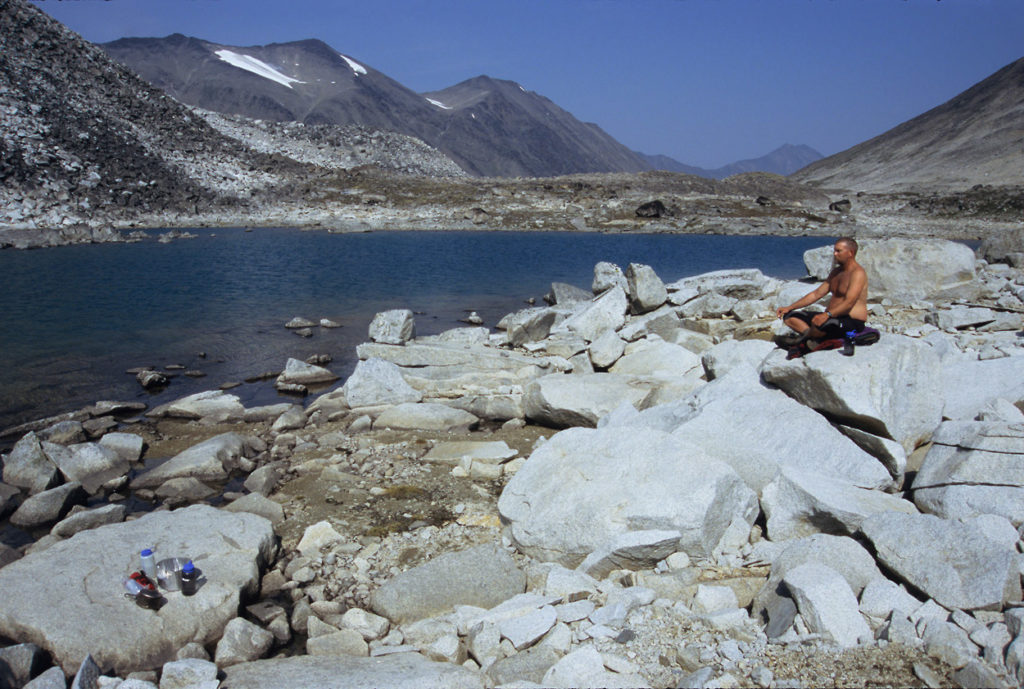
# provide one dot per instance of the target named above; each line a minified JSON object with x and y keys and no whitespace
{"x":210,"y":460}
{"x":296,"y":371}
{"x":799,"y":504}
{"x":456,"y":451}
{"x":428,"y":416}
{"x":974,"y":383}
{"x":580,"y":400}
{"x":889,"y":389}
{"x":584,"y":489}
{"x":214,"y":405}
{"x":950,"y":561}
{"x":827,"y":603}
{"x":398,"y":671}
{"x":973,"y":467}
{"x":756,"y":430}
{"x":483,"y":576}
{"x":69,"y":598}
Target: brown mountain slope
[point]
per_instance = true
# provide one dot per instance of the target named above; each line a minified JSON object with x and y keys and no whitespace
{"x":975,"y":138}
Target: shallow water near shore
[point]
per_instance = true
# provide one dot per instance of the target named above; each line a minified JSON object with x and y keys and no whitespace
{"x":77,"y":317}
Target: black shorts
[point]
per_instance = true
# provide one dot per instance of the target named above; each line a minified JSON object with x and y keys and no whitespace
{"x":835,"y":327}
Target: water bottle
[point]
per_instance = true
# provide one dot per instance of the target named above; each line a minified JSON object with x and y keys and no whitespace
{"x":189,"y":579}
{"x":148,"y":562}
{"x":132,"y":587}
{"x":848,"y":342}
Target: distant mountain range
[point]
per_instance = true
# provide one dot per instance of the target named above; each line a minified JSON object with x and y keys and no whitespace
{"x":977,"y":137}
{"x":490,"y":127}
{"x":784,"y":160}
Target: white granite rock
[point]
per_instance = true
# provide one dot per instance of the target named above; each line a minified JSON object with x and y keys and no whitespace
{"x":889,"y":389}
{"x":606,"y":312}
{"x":827,"y":603}
{"x":242,"y":641}
{"x":646,"y":290}
{"x":212,"y":460}
{"x":951,"y":562}
{"x":431,"y":416}
{"x":401,"y":670}
{"x":394,"y":327}
{"x":296,"y":371}
{"x":377,"y":382}
{"x":228,"y":548}
{"x":584,"y":488}
{"x":973,"y":467}
{"x":580,"y":400}
{"x":799,"y":503}
{"x":28,"y":467}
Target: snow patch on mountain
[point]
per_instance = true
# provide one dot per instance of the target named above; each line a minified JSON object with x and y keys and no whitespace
{"x":439,"y":104}
{"x":251,"y":64}
{"x":356,"y":67}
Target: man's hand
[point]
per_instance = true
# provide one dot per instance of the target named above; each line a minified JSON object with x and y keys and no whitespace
{"x":819,"y":319}
{"x":782,"y":311}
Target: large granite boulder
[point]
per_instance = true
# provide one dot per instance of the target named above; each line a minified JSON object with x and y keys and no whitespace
{"x":69,"y":598}
{"x":889,"y":389}
{"x":606,"y":312}
{"x":530,"y":325}
{"x":449,"y":369}
{"x":827,"y":603}
{"x":210,"y":460}
{"x":663,"y":322}
{"x":377,"y":382}
{"x":655,"y":357}
{"x":908,"y":270}
{"x":91,"y":464}
{"x":564,"y":293}
{"x":841,"y":553}
{"x":732,"y":354}
{"x":27,"y":466}
{"x":606,"y":276}
{"x":301,"y":373}
{"x":646,"y":290}
{"x":972,"y":468}
{"x":801,"y":503}
{"x":48,"y":506}
{"x":429,"y":416}
{"x":212,"y":405}
{"x":969,"y":383}
{"x":756,"y":430}
{"x":394,"y":327}
{"x":580,"y":400}
{"x":953,"y":562}
{"x":397,"y":671}
{"x":483,"y":576}
{"x":584,"y":488}
{"x":745,"y":284}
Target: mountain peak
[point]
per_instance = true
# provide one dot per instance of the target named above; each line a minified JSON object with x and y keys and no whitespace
{"x":973,"y":138}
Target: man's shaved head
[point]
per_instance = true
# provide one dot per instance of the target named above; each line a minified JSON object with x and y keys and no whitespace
{"x":850,"y":244}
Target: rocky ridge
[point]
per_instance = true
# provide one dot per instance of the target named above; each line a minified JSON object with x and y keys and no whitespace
{"x":759,"y":566}
{"x":89,"y":150}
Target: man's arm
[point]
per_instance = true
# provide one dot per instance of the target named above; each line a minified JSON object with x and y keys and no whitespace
{"x":805,"y":300}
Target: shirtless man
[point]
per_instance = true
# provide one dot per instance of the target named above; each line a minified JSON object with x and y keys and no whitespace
{"x":847,"y":309}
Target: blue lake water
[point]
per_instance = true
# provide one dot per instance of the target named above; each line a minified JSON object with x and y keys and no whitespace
{"x":76,"y":318}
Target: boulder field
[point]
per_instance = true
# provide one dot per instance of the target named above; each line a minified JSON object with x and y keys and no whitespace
{"x":699,"y":510}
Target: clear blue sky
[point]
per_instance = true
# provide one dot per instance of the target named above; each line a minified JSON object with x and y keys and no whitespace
{"x":707,"y":82}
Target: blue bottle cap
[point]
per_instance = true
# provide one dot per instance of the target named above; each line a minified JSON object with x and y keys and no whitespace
{"x":146,"y":553}
{"x":189,"y":567}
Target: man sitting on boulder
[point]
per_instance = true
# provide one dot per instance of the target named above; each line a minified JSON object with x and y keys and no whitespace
{"x":847,"y":310}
